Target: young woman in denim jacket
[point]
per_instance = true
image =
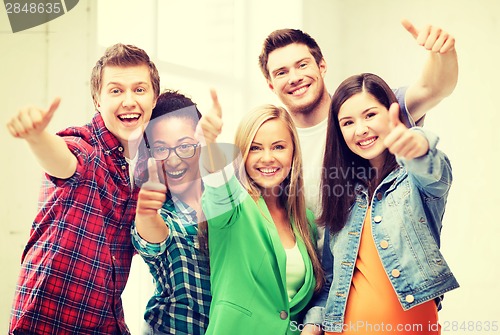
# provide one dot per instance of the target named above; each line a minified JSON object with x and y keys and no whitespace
{"x":384,"y":192}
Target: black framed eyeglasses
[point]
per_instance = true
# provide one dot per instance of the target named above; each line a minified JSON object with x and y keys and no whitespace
{"x":185,"y":150}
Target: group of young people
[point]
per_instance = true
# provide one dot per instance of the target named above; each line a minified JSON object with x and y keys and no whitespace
{"x":244,"y":238}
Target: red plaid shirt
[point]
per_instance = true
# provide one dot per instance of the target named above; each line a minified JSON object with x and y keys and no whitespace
{"x":77,"y":260}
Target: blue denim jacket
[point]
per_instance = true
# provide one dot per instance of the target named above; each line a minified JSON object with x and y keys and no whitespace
{"x":407,"y":212}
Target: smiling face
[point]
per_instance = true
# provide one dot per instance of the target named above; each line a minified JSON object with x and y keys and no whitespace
{"x":270,"y":157}
{"x":364,"y":123}
{"x":180,"y":173}
{"x":126,"y":101}
{"x":296,"y":78}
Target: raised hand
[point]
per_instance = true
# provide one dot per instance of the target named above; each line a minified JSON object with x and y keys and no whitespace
{"x":31,"y":121}
{"x":210,"y":125}
{"x":50,"y":150}
{"x":431,"y":37}
{"x":152,"y":194}
{"x":207,"y":131}
{"x":401,"y":141}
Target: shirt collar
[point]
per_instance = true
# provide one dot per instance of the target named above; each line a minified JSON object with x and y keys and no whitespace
{"x":108,"y":141}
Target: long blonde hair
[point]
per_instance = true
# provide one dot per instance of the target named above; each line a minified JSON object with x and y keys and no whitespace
{"x":292,"y":195}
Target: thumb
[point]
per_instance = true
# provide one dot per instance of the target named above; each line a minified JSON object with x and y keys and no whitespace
{"x":394,"y":116}
{"x":215,"y":103}
{"x":52,"y":109}
{"x":152,"y":171}
{"x":410,"y":28}
{"x":153,"y":183}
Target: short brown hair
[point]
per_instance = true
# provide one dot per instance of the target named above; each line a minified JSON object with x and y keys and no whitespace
{"x":122,"y":55}
{"x":283,"y":37}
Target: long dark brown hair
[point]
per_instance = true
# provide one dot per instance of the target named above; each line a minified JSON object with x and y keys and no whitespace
{"x":342,"y":169}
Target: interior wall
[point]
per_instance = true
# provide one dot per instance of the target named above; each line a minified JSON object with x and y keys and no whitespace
{"x":38,"y":64}
{"x":356,"y":36}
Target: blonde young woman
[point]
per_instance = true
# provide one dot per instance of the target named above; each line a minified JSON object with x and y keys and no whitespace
{"x":264,"y":268}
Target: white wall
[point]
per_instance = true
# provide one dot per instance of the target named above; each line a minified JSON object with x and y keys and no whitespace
{"x":38,"y":64}
{"x":356,"y":36}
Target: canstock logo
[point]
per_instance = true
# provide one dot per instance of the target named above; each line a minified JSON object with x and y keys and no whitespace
{"x":25,"y":14}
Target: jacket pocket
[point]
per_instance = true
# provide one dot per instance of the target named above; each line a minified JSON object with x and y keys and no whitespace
{"x":223,"y":304}
{"x":398,"y":192}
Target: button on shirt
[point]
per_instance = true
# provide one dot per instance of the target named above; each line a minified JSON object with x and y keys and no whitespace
{"x":181,"y":302}
{"x":77,"y":260}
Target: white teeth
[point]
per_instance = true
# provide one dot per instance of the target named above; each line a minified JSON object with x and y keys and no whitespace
{"x":268,"y":170}
{"x":299,"y":91}
{"x":367,"y":142}
{"x":177,"y":173}
{"x":130,"y":116}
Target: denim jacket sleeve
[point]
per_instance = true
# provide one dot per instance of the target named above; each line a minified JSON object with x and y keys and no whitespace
{"x":432,"y":171}
{"x":316,"y":313}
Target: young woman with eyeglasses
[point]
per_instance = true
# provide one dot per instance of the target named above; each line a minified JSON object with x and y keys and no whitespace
{"x":169,"y":231}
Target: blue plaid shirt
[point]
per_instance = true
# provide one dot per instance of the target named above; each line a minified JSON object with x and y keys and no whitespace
{"x":181,"y":302}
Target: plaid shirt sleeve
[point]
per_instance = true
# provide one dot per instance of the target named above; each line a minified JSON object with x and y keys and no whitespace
{"x":181,"y":301}
{"x":145,"y":248}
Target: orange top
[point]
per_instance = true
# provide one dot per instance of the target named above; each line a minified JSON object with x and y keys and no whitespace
{"x":373,"y":306}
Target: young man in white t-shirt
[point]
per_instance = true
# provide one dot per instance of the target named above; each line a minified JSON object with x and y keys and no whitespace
{"x":294,"y":67}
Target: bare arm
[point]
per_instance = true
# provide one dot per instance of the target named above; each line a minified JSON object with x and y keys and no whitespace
{"x":50,"y":150}
{"x":440,"y":74}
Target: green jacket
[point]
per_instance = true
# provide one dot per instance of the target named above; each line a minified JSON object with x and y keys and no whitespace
{"x":248,"y":266}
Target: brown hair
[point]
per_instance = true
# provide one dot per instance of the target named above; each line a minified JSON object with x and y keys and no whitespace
{"x":283,"y":37}
{"x":122,"y":55}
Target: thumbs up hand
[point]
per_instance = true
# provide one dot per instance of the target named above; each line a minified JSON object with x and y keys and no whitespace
{"x":31,"y":121}
{"x":152,"y":194}
{"x":207,"y":131}
{"x":210,"y":125}
{"x":401,"y":141}
{"x":431,"y":37}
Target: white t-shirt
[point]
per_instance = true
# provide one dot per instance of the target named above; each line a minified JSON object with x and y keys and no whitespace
{"x":312,"y":145}
{"x":132,"y":163}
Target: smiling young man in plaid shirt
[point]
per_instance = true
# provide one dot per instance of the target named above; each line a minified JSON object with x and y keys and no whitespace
{"x":76,"y":263}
